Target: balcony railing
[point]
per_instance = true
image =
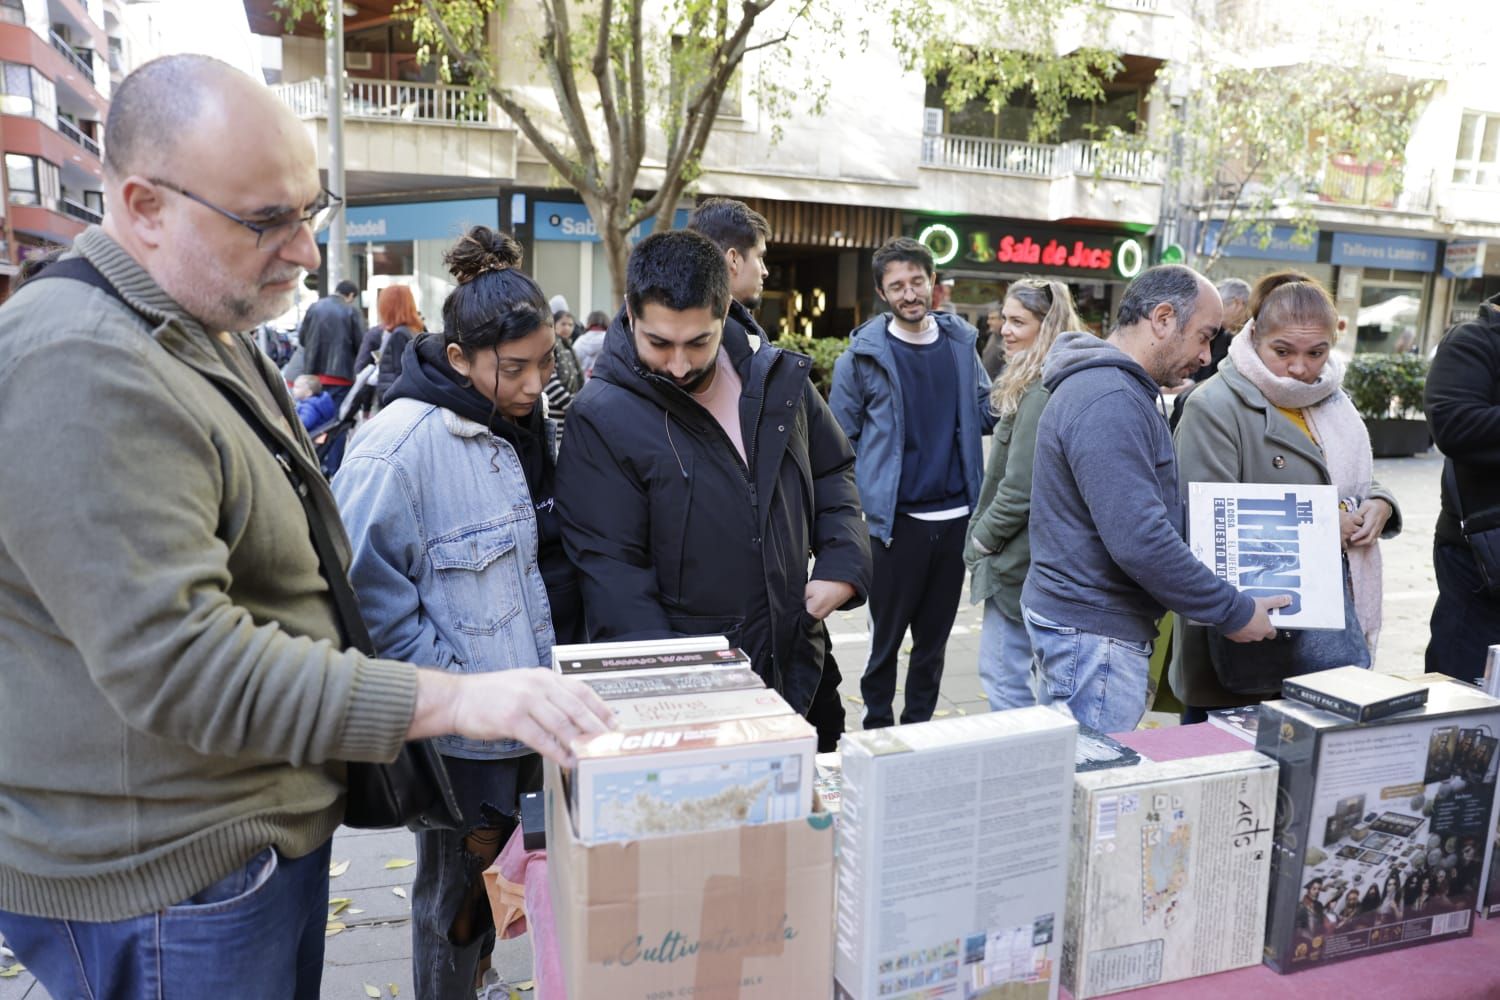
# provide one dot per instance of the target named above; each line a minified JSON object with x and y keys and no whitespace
{"x":1033,"y":159}
{"x":70,"y":131}
{"x":385,"y":100}
{"x":1374,"y":185}
{"x":84,"y":66}
{"x":80,"y":212}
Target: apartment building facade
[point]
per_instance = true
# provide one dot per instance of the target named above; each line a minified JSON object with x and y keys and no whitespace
{"x":1402,"y":244}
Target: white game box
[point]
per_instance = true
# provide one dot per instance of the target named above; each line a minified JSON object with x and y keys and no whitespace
{"x":669,"y":779}
{"x":698,"y":708}
{"x":1171,"y":863}
{"x":1273,"y":539}
{"x":952,"y":857}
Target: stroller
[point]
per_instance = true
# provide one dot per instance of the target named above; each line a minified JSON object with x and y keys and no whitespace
{"x":330,"y":438}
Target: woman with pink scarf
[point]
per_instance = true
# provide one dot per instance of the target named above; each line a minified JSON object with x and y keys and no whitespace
{"x":1275,"y":413}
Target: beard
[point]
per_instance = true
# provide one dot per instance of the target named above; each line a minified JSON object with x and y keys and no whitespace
{"x":696,"y":380}
{"x":213,"y":297}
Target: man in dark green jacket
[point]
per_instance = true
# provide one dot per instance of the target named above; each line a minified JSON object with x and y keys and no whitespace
{"x":177,"y":705}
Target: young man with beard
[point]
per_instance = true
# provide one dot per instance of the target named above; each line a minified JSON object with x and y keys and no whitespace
{"x":699,"y":477}
{"x":913,"y":398}
{"x":1107,"y":551}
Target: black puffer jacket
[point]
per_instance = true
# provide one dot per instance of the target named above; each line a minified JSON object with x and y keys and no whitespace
{"x":1463,"y":410}
{"x":674,"y":535}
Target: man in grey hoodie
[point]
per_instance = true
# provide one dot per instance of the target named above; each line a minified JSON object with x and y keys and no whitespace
{"x":1107,"y":549}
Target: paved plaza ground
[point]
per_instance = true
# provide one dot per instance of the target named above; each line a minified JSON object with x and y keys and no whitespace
{"x":375,"y":948}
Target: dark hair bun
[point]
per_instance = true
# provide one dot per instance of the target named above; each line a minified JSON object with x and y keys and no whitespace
{"x":479,"y":251}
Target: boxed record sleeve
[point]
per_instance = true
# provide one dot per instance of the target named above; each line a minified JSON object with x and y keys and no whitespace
{"x":1380,"y":826}
{"x":952,"y":857}
{"x":1273,"y":539}
{"x":709,"y":706}
{"x":1169,"y":868}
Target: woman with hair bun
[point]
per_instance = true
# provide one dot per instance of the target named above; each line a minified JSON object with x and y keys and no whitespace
{"x":1276,"y":413}
{"x":999,"y":550}
{"x":447,"y":496}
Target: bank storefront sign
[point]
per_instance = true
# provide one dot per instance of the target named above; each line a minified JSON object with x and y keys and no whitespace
{"x":1281,"y":243}
{"x":423,"y":220}
{"x":996,"y":245}
{"x":570,"y":222}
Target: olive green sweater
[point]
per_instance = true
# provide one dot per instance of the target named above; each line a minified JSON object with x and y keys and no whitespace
{"x":172,"y":697}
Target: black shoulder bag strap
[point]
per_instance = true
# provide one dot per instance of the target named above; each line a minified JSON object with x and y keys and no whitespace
{"x":412,"y":791}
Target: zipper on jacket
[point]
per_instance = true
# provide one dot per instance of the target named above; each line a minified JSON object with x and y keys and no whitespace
{"x":740,"y":463}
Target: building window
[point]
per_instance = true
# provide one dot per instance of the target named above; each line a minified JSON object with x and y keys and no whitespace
{"x":12,"y":12}
{"x":32,"y":181}
{"x":27,"y":92}
{"x":1478,"y":158}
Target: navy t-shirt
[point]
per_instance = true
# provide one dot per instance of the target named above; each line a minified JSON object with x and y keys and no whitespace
{"x":932,"y":475}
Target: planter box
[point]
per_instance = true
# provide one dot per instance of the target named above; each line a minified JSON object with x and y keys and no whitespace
{"x":1398,"y":438}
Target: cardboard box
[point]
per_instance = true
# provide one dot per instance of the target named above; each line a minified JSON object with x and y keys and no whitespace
{"x":633,"y":714}
{"x":1380,"y":826}
{"x":953,"y":857}
{"x":681,"y":778}
{"x":1169,"y":870}
{"x":741,"y":912}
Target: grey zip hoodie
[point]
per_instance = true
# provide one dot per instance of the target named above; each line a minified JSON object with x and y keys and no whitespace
{"x":1107,"y":548}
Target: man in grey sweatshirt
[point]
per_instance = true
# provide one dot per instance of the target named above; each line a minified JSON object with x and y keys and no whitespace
{"x":1107,"y":549}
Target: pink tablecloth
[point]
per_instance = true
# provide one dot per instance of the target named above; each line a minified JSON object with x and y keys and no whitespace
{"x":1466,"y":969}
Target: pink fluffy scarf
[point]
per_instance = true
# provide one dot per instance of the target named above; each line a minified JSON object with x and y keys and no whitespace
{"x":1337,"y":428}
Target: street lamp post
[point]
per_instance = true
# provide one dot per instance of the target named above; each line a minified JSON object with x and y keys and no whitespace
{"x":338,"y":242}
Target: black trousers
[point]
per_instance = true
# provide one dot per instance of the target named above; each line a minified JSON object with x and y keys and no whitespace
{"x":917,"y":583}
{"x":826,"y":713}
{"x":1465,"y":620}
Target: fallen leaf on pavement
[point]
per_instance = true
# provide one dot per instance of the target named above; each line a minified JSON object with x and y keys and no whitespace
{"x":399,"y":863}
{"x":11,"y":972}
{"x":353,"y":911}
{"x":940,"y":713}
{"x":338,"y":905}
{"x":372,"y":991}
{"x":337,"y":868}
{"x":398,"y":890}
{"x":856,"y":699}
{"x":334,"y":927}
{"x":395,"y":990}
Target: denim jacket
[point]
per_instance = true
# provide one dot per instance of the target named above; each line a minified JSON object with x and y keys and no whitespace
{"x":445,"y":549}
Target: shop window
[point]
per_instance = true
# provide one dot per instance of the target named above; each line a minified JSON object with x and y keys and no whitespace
{"x":32,"y":181}
{"x":1478,"y":158}
{"x":1389,"y":320}
{"x":27,"y":92}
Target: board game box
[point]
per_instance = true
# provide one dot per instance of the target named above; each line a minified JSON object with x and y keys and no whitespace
{"x":952,"y":858}
{"x":1381,"y":826}
{"x":1168,"y":873}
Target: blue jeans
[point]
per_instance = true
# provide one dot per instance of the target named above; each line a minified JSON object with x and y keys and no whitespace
{"x":1102,"y":679}
{"x":256,"y":934}
{"x":1005,"y":660}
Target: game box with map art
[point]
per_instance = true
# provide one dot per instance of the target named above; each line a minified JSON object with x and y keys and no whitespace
{"x":1168,"y":872}
{"x":1381,"y":826}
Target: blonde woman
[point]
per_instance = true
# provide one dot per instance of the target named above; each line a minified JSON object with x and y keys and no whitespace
{"x":999,"y":549}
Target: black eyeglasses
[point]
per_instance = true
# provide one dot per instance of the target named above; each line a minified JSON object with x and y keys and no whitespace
{"x":272,"y":235}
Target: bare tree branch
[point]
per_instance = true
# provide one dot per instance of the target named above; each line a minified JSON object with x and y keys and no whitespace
{"x":602,"y":76}
{"x":559,"y":68}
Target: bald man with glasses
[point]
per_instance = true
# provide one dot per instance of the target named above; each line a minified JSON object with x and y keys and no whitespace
{"x":178,"y":700}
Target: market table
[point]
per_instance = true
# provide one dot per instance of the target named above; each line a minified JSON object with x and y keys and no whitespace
{"x":1463,"y":969}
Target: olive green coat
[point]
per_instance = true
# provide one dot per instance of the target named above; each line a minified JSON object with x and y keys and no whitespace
{"x":1000,"y":520}
{"x":1230,"y":433}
